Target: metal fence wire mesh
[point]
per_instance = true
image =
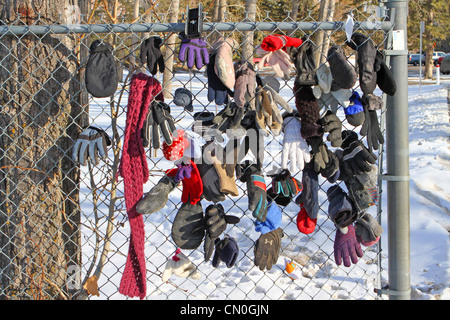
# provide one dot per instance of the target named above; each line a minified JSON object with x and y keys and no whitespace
{"x":64,"y":230}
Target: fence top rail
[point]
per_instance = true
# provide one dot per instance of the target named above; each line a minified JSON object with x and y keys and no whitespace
{"x":179,"y":27}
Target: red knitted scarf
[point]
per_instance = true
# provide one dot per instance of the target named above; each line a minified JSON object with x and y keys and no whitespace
{"x":133,"y":169}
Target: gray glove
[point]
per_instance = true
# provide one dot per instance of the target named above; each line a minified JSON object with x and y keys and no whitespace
{"x":91,"y":143}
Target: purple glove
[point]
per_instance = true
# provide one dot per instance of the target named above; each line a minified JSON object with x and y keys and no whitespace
{"x":184,"y":171}
{"x":194,"y":50}
{"x":347,"y":247}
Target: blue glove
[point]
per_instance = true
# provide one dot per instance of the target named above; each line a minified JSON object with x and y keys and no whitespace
{"x":273,"y":219}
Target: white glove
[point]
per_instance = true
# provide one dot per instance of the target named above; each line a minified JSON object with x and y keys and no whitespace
{"x":295,"y":147}
{"x":181,"y":266}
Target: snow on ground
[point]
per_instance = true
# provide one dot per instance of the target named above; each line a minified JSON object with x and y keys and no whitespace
{"x":320,"y":277}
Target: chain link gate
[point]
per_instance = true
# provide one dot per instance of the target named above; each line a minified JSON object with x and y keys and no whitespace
{"x":103,"y":229}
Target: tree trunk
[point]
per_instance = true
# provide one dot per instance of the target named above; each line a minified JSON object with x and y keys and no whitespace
{"x":247,"y":43}
{"x":319,"y":34}
{"x":41,"y":112}
{"x":169,"y":51}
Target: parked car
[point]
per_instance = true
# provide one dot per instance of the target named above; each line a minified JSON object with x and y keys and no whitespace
{"x":414,"y":59}
{"x":436,"y":56}
{"x":445,"y":65}
{"x":442,"y":58}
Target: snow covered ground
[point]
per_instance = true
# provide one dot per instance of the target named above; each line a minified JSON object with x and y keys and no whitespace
{"x":320,"y":278}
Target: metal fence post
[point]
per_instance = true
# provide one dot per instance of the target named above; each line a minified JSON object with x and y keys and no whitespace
{"x":397,"y":161}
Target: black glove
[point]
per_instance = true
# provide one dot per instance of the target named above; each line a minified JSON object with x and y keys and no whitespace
{"x":305,"y":65}
{"x":331,"y":171}
{"x":215,"y":224}
{"x":332,"y":124}
{"x":385,"y":79}
{"x":319,"y":153}
{"x":151,"y":54}
{"x":210,"y":179}
{"x":284,"y":187}
{"x":158,"y":120}
{"x":356,"y":159}
{"x":230,"y":118}
{"x":256,"y":189}
{"x":217,"y":91}
{"x":371,"y":127}
{"x":267,"y":249}
{"x":227,"y":250}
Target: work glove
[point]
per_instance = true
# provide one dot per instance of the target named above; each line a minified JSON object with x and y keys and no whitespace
{"x":295,"y":149}
{"x":356,"y":159}
{"x":227,"y":251}
{"x":256,"y":189}
{"x":193,"y":51}
{"x":151,"y":54}
{"x":158,"y":121}
{"x":267,"y":249}
{"x":91,"y":144}
{"x":181,"y":266}
{"x":268,"y":111}
{"x":346,"y":247}
{"x":215,"y":224}
{"x":244,"y":87}
{"x":333,"y":125}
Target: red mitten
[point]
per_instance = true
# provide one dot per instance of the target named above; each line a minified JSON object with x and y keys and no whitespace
{"x":305,"y":224}
{"x":192,"y":187}
{"x":175,"y":150}
{"x":275,"y":42}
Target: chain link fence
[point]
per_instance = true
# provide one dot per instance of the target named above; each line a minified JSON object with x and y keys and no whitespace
{"x":55,"y":244}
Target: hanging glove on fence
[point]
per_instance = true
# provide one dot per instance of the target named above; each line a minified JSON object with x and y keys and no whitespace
{"x":101,"y":76}
{"x":308,"y":200}
{"x":181,"y":266}
{"x":279,"y":60}
{"x":340,"y":209}
{"x":251,"y":174}
{"x":217,"y":91}
{"x":346,"y":247}
{"x":215,"y":224}
{"x":151,"y":55}
{"x":295,"y":149}
{"x":305,"y":224}
{"x":192,"y":185}
{"x":367,"y":229}
{"x":227,"y":251}
{"x":308,"y":111}
{"x":284,"y":187}
{"x":305,"y":65}
{"x":267,"y":249}
{"x":194,"y":51}
{"x":91,"y":144}
{"x":158,"y":196}
{"x":333,"y":125}
{"x":229,"y":118}
{"x":244,"y":87}
{"x":371,"y":128}
{"x":223,"y":66}
{"x":158,"y":121}
{"x":175,"y":150}
{"x":343,"y":73}
{"x":356,"y":159}
{"x":187,"y":227}
{"x":366,"y":61}
{"x":385,"y":79}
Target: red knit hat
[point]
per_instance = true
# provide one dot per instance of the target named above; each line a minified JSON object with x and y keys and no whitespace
{"x":176,"y":149}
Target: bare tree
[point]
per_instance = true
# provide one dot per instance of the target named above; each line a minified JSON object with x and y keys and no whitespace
{"x":169,"y":51}
{"x":42,"y":111}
